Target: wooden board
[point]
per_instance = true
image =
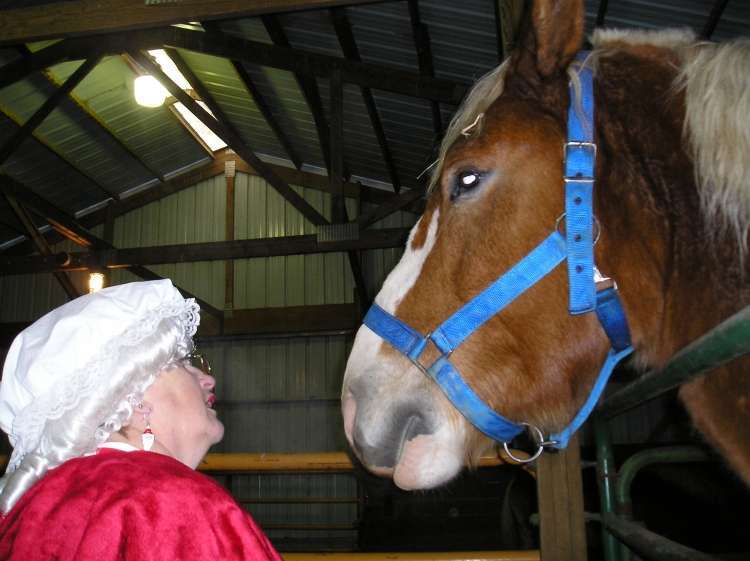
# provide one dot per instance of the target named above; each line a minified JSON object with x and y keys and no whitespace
{"x":560,"y":490}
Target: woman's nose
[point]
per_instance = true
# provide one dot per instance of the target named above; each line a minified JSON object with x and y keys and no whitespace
{"x":208,"y":382}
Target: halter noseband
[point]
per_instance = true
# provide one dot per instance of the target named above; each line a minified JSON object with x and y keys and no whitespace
{"x":577,"y":247}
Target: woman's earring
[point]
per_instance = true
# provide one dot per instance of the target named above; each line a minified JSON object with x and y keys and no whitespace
{"x":148,"y":436}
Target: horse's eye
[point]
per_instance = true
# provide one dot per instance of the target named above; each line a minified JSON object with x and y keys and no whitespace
{"x":465,"y":181}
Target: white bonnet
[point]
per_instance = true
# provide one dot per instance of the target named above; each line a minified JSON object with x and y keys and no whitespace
{"x":67,"y":353}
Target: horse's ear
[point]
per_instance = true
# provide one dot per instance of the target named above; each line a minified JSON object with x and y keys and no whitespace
{"x":554,"y":34}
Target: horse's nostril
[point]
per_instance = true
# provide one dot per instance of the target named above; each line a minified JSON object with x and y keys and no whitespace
{"x":414,"y":427}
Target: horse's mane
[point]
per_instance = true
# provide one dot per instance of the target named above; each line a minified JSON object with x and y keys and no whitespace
{"x":715,"y":79}
{"x":487,"y":89}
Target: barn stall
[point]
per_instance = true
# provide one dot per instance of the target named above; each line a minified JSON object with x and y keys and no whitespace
{"x":274,"y":176}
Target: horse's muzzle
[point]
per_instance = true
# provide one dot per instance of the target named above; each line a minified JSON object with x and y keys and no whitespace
{"x":379,"y":440}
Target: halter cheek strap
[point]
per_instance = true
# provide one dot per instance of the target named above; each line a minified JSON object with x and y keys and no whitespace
{"x":577,"y":247}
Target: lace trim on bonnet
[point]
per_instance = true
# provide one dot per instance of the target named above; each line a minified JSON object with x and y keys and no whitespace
{"x":66,"y":394}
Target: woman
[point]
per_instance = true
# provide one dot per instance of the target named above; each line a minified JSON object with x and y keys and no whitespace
{"x":108,"y":420}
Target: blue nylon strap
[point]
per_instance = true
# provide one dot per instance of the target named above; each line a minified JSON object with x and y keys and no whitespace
{"x":612,"y":318}
{"x":395,"y":331}
{"x":613,"y":357}
{"x":476,"y":411}
{"x":523,"y":275}
{"x":580,"y":160}
{"x":577,"y":247}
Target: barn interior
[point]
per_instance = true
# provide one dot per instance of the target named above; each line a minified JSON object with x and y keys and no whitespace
{"x":273,"y":172}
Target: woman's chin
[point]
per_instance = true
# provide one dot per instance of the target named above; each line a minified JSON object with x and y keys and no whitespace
{"x":218,"y":431}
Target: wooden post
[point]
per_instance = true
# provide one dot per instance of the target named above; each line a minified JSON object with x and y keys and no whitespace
{"x":229,"y":173}
{"x":560,"y":491}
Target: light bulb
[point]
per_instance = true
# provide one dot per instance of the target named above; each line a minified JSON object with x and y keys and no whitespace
{"x":96,"y":282}
{"x":149,"y":92}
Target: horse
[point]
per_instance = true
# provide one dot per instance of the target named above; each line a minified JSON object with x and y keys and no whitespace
{"x":671,"y":209}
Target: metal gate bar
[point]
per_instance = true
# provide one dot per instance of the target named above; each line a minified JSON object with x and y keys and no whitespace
{"x":650,"y":545}
{"x":727,"y":341}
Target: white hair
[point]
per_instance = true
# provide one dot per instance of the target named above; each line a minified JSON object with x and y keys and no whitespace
{"x":78,"y":431}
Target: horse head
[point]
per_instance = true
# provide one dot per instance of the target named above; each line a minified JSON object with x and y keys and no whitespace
{"x":497,"y":192}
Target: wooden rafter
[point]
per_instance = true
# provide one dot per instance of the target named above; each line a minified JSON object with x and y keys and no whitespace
{"x":203,"y":251}
{"x":424,"y":57}
{"x":294,"y":60}
{"x":601,"y":12}
{"x":72,"y":230}
{"x":404,"y":200}
{"x":232,"y":139}
{"x":60,"y":221}
{"x":309,"y":87}
{"x":209,"y":170}
{"x":86,"y":17}
{"x":349,"y":46}
{"x":47,"y":107}
{"x":713,"y":18}
{"x":260,"y":102}
{"x":314,"y":64}
{"x":268,"y":115}
{"x":30,"y":63}
{"x":41,"y":244}
{"x":42,"y":143}
{"x":83,"y":111}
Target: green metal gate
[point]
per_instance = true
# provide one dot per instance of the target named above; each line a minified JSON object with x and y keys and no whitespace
{"x":724,"y":343}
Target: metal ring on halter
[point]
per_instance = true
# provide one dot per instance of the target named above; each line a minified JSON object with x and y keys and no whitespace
{"x":541,"y":443}
{"x":597,"y":228}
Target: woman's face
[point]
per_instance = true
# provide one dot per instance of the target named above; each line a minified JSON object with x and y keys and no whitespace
{"x":182,"y":416}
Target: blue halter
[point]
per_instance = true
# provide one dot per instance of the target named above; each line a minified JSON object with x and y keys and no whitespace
{"x":577,"y":247}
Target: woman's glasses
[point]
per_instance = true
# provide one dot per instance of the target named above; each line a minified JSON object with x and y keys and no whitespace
{"x":197,"y":360}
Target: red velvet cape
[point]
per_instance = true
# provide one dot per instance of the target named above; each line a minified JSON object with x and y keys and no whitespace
{"x":134,"y":506}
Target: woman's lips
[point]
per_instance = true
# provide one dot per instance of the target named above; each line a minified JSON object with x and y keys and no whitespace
{"x":211,"y":400}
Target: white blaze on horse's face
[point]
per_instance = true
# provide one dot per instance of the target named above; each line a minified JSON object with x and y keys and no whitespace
{"x":412,"y":439}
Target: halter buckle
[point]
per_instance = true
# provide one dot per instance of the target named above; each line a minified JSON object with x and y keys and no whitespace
{"x":579,"y":144}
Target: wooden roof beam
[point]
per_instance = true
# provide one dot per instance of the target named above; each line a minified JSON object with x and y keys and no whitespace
{"x":294,"y":60}
{"x":260,"y":103}
{"x":71,"y":229}
{"x":601,"y":13}
{"x":65,"y":19}
{"x":307,"y":85}
{"x":54,"y":153}
{"x":314,"y":64}
{"x":47,"y":107}
{"x":61,"y":221}
{"x":204,"y":251}
{"x":400,"y":202}
{"x":211,"y":169}
{"x":30,"y":63}
{"x":713,"y":18}
{"x":88,"y":115}
{"x":424,"y":58}
{"x":41,"y":244}
{"x":349,"y":46}
{"x":233,"y":140}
